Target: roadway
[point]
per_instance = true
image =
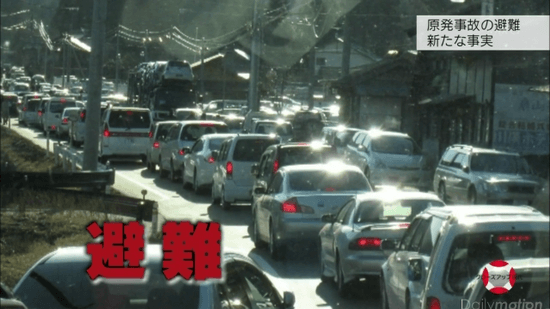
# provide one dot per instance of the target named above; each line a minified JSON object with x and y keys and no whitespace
{"x":299,"y":273}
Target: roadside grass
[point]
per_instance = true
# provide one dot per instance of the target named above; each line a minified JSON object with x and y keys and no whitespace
{"x":24,"y":154}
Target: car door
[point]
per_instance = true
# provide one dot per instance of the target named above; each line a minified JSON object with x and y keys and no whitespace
{"x":456,"y":177}
{"x":165,"y":150}
{"x":396,"y":272}
{"x":463,"y":177}
{"x":260,"y":181}
{"x":220,"y":162}
{"x":328,"y":234}
{"x":190,"y":160}
{"x":267,"y":206}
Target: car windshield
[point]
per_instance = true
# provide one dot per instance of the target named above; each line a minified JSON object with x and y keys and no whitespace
{"x":216,"y":143}
{"x":251,"y":150}
{"x":55,"y":287}
{"x":130,"y":119}
{"x":193,"y":132}
{"x":229,"y":111}
{"x":273,"y":128}
{"x":305,"y":155}
{"x":469,"y":252}
{"x":394,"y":211}
{"x":499,"y":163}
{"x":33,"y":105}
{"x":70,"y":113}
{"x":345,"y":137}
{"x":328,"y":181}
{"x":187,"y":115}
{"x":21,"y":88}
{"x":58,"y":107}
{"x":394,"y":145}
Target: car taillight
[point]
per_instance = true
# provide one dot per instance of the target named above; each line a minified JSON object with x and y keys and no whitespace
{"x":82,"y":115}
{"x":39,"y":113}
{"x":106,"y":133}
{"x":229,"y":168}
{"x":65,"y":120}
{"x":290,"y":206}
{"x":433,"y":303}
{"x":156,"y":145}
{"x":365,"y":243}
{"x":53,"y":127}
{"x":404,"y":225}
{"x":275,"y":166}
{"x":150,"y":134}
{"x":211,"y":160}
{"x":514,"y":238}
{"x":181,"y":152}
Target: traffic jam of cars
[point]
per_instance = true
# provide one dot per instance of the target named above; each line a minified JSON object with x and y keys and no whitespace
{"x":362,"y":200}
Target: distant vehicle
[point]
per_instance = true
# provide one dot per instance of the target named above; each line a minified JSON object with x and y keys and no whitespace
{"x":290,"y":209}
{"x":188,"y":114}
{"x":63,"y":129}
{"x":280,"y":128}
{"x":12,"y":100}
{"x":125,"y":133}
{"x":232,"y":180}
{"x":338,"y":137}
{"x":350,"y":240}
{"x":53,"y":110}
{"x":59,"y":281}
{"x":29,"y":113}
{"x":158,"y":133}
{"x":476,"y":175}
{"x":164,"y":101}
{"x":77,"y":125}
{"x":177,"y":70}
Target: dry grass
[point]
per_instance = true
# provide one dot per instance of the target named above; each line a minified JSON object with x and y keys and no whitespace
{"x":24,"y":154}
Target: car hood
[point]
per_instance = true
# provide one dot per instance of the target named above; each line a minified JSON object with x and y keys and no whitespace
{"x":508,"y":178}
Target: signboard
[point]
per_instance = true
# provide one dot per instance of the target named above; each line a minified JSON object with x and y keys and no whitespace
{"x":520,"y":121}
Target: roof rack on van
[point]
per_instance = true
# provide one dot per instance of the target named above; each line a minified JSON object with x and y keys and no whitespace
{"x":463,"y":146}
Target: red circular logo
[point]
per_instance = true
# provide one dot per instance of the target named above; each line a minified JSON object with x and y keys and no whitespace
{"x":499,"y":277}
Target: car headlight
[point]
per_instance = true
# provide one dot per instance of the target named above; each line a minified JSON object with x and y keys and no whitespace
{"x":492,"y":187}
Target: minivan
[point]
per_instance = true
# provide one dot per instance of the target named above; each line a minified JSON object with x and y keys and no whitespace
{"x":53,"y":110}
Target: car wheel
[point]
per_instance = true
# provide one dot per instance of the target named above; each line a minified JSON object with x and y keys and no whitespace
{"x":341,"y":286}
{"x":150,"y":165}
{"x":322,"y":264}
{"x":383,"y":294}
{"x":258,"y":243}
{"x":173,"y":177}
{"x":276,"y":250}
{"x":225,"y":204}
{"x":472,"y":196}
{"x":442,"y":192}
{"x":196,"y":187}
{"x":215,"y":200}
{"x":144,"y":159}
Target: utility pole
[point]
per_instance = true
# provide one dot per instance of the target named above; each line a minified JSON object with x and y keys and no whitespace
{"x":311,"y":76}
{"x":45,"y":61}
{"x":202,"y":69}
{"x":253,"y":101}
{"x":117,"y":60}
{"x":64,"y":60}
{"x":346,"y":52}
{"x":94,"y":87}
{"x":145,"y":45}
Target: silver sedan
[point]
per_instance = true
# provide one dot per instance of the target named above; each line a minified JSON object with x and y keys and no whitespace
{"x":290,"y":210}
{"x":199,"y":164}
{"x":350,"y":241}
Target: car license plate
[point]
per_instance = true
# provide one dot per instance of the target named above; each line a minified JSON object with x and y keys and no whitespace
{"x":520,"y":202}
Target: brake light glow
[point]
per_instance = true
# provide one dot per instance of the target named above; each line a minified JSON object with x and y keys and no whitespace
{"x":330,"y":189}
{"x":36,"y":97}
{"x":275,"y":166}
{"x":65,"y":120}
{"x":290,"y":206}
{"x":181,"y":152}
{"x":150,"y":134}
{"x":24,"y":109}
{"x":62,"y":100}
{"x":82,"y":115}
{"x":404,"y":225}
{"x":129,"y":113}
{"x":39,"y":113}
{"x":514,"y":238}
{"x":211,"y":160}
{"x":156,"y":145}
{"x":53,"y":127}
{"x":229,"y":168}
{"x":106,"y":133}
{"x":365,"y":242}
{"x":433,"y":303}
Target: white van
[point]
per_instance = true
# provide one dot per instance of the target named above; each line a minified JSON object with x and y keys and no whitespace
{"x":124,"y":133}
{"x":51,"y":116}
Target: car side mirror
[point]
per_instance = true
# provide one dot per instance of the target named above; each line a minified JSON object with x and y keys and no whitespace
{"x":289,"y":299}
{"x":260,"y":190}
{"x":414,"y":270}
{"x":215,"y":154}
{"x":465,"y":169}
{"x":328,"y":218}
{"x":254,"y":170}
{"x":387,"y":244}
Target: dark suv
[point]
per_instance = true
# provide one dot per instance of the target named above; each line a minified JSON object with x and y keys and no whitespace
{"x":277,"y":156}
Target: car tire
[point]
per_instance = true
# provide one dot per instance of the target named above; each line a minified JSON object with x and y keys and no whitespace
{"x":442,"y":192}
{"x":223,"y":203}
{"x":341,"y":287}
{"x":196,"y":187}
{"x":144,"y":159}
{"x":276,"y":250}
{"x":162,"y":172}
{"x":151,"y":167}
{"x":322,"y":266}
{"x":172,"y":173}
{"x":258,"y":243}
{"x":215,"y":200}
{"x":383,"y":293}
{"x":472,"y":196}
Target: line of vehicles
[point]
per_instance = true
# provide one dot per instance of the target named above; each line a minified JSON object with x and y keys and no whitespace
{"x":327,"y":191}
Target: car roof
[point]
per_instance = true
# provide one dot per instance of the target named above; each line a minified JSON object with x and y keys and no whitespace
{"x":187,"y":122}
{"x":475,"y":149}
{"x":166,"y":122}
{"x":397,"y":195}
{"x":255,"y":136}
{"x":489,"y":213}
{"x":123,"y":108}
{"x":385,"y":133}
{"x":302,"y":145}
{"x":219,"y":135}
{"x":278,"y":122}
{"x":318,"y":167}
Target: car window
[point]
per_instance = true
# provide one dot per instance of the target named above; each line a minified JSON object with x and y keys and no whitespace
{"x":430,"y":236}
{"x":193,"y":132}
{"x":58,"y":107}
{"x":344,"y":211}
{"x":261,"y":289}
{"x":305,"y":155}
{"x":359,"y":140}
{"x":395,"y":211}
{"x":251,"y":150}
{"x":448,"y":157}
{"x":198,"y":146}
{"x":499,"y":163}
{"x":173,"y":133}
{"x":130,"y":119}
{"x":345,"y":137}
{"x":394,"y":145}
{"x":407,"y":237}
{"x":276,"y":184}
{"x":470,"y":251}
{"x":215,"y":143}
{"x":457,"y":162}
{"x":225,"y":149}
{"x":162,"y":131}
{"x":327,"y":181}
{"x":418,"y":234}
{"x":70,"y":113}
{"x":266,"y":168}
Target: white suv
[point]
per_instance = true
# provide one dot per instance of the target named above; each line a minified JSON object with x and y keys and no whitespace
{"x":445,"y":247}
